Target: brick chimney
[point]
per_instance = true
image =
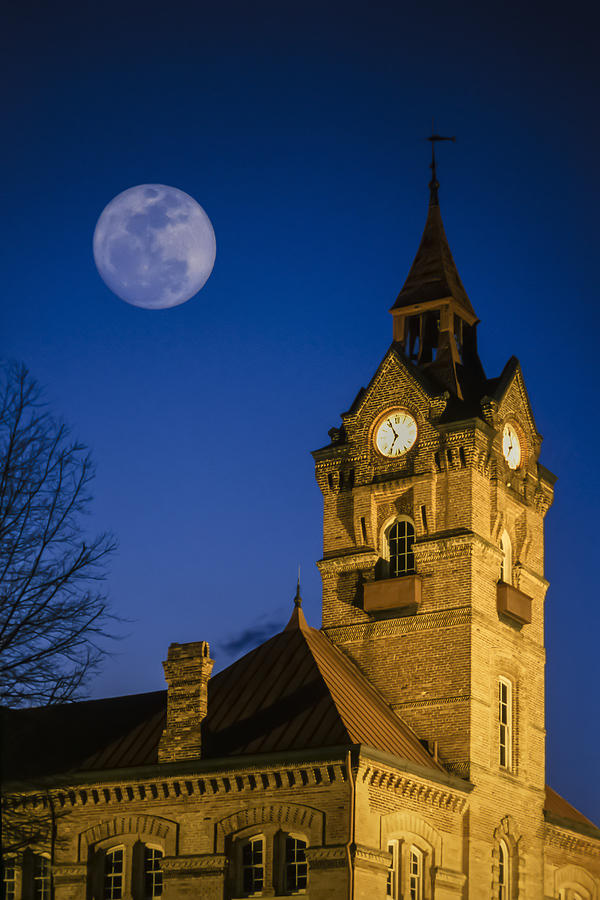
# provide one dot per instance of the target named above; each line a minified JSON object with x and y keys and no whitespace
{"x":187,"y":670}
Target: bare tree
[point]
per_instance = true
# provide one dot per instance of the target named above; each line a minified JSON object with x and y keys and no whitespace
{"x":53,"y":614}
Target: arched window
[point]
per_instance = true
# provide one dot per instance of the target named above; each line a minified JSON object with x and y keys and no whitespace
{"x":296,"y":867}
{"x":407,"y":870}
{"x":415,"y":871}
{"x":41,"y":877}
{"x":272,"y":863}
{"x":505,"y":723}
{"x":113,"y":874}
{"x":253,"y":865}
{"x":400,"y":538}
{"x":506,"y":569}
{"x":153,"y":879}
{"x":503,"y":872}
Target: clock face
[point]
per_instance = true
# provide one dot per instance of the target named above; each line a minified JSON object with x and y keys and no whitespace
{"x":396,"y":433}
{"x":511,"y":446}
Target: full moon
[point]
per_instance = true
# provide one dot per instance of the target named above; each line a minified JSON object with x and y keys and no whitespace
{"x":154,"y":246}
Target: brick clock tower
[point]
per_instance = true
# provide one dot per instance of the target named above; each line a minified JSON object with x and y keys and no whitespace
{"x":433,"y":556}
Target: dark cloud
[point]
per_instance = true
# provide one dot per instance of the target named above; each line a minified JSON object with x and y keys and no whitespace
{"x":251,"y":637}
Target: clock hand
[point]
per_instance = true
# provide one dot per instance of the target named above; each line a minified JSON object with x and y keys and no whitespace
{"x":393,"y":429}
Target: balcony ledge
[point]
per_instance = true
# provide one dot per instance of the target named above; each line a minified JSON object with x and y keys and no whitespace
{"x":392,"y":593}
{"x":513,"y":603}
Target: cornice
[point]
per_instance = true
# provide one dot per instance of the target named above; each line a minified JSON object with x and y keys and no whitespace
{"x":252,"y":779}
{"x":333,"y":857}
{"x":370,"y":857}
{"x":70,"y":873}
{"x":350,"y":562}
{"x":445,"y":618}
{"x":571,"y":841}
{"x":435,"y":795}
{"x":450,"y":545}
{"x":204,"y":864}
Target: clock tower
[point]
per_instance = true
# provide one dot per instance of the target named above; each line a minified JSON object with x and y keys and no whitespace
{"x":433,"y":551}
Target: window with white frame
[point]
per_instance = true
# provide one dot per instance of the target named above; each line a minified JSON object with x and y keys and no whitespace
{"x":505,"y":723}
{"x":113,"y":874}
{"x":9,"y":878}
{"x":503,"y":872}
{"x":273,"y":862}
{"x":506,"y":548}
{"x":392,"y":873}
{"x":296,"y":866}
{"x":131,"y":868}
{"x":41,"y":876}
{"x":400,"y":537}
{"x":415,"y":874}
{"x":253,"y":866}
{"x":406,"y":874}
{"x":153,"y":879}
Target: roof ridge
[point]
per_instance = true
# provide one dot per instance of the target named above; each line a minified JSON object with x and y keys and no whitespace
{"x":352,"y":666}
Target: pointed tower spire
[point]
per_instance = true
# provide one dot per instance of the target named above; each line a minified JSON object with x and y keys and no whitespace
{"x":434,"y":321}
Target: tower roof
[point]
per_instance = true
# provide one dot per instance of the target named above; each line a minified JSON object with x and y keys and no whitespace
{"x":433,"y":274}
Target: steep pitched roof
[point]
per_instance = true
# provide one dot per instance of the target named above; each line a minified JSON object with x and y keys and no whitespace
{"x":297,"y":691}
{"x":433,"y":274}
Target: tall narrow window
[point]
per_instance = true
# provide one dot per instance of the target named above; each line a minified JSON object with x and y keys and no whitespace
{"x":415,"y":873}
{"x":9,"y":879}
{"x":253,"y":866}
{"x":503,"y":872}
{"x":505,"y":718}
{"x":153,"y":879}
{"x":401,"y":538}
{"x":392,"y":873}
{"x":296,"y":867}
{"x":41,"y":877}
{"x":113,"y":874}
{"x":506,"y":547}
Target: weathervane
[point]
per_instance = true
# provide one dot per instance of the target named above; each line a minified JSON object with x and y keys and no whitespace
{"x":434,"y":183}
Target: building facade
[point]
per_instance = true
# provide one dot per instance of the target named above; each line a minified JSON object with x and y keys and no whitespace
{"x":398,"y":751}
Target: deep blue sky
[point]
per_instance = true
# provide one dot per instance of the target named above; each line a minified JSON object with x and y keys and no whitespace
{"x":300,"y":129}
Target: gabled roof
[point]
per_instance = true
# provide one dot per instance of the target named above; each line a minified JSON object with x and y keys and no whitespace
{"x":499,"y":386}
{"x":297,"y":691}
{"x":433,"y":274}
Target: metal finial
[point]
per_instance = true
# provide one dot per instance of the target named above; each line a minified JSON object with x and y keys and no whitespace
{"x":434,"y":183}
{"x":298,"y":598}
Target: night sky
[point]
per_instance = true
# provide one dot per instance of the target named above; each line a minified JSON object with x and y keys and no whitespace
{"x":300,"y":128}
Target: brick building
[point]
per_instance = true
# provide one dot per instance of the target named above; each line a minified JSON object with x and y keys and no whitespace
{"x":396,"y":752}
